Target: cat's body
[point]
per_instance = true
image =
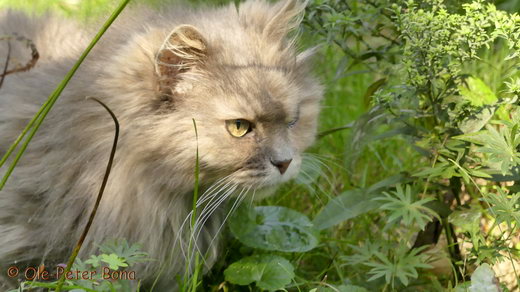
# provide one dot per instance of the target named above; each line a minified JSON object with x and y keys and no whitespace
{"x":216,"y":65}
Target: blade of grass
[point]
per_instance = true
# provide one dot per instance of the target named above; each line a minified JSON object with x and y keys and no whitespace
{"x":35,"y":123}
{"x":98,"y":200}
{"x":197,"y":170}
{"x":193,"y":285}
{"x":194,"y":208}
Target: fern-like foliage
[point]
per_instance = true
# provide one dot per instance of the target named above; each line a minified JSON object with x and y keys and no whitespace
{"x":389,"y":263}
{"x":505,"y":208}
{"x":402,"y":207}
{"x":501,"y":145}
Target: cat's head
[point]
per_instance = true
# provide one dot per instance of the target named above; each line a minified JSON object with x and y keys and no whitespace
{"x":251,"y":95}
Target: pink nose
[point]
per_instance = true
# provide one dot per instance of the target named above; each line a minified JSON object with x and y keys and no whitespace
{"x":282,"y":165}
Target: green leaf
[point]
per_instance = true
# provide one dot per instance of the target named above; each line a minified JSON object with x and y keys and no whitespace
{"x":402,"y":207}
{"x":387,"y":182}
{"x":476,"y":122}
{"x":372,"y":89}
{"x":468,"y":220}
{"x":130,"y":253}
{"x":114,"y":262}
{"x":505,"y":207}
{"x":353,"y":203}
{"x":501,"y":146}
{"x":403,"y":267}
{"x":269,"y":272}
{"x":349,"y":204}
{"x":274,"y":228}
{"x":477,"y":92}
{"x":94,"y":261}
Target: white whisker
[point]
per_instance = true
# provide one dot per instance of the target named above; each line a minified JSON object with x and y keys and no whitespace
{"x":216,"y":189}
{"x":204,"y":216}
{"x":207,"y":194}
{"x":320,"y":189}
{"x":252,"y":198}
{"x":237,"y":203}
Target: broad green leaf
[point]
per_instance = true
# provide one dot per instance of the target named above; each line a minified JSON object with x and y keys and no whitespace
{"x":353,"y":203}
{"x":114,"y":262}
{"x":468,"y":220}
{"x":476,"y":122}
{"x":274,"y":228}
{"x":349,"y":204}
{"x":94,"y":261}
{"x":387,"y":182}
{"x":269,"y":272}
{"x":477,"y":92}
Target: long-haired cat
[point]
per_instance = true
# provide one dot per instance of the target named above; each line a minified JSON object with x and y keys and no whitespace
{"x":232,"y":70}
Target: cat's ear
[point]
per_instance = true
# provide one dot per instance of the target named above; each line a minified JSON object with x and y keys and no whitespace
{"x":289,"y":14}
{"x":183,"y":49}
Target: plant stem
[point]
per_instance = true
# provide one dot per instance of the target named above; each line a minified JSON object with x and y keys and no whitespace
{"x":455,"y":186}
{"x":194,"y":209}
{"x":96,"y":205}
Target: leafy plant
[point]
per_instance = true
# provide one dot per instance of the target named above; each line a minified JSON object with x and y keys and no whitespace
{"x":269,"y":272}
{"x":505,"y":208}
{"x":402,"y":207}
{"x":110,"y":270}
{"x":274,"y":228}
{"x":401,"y":264}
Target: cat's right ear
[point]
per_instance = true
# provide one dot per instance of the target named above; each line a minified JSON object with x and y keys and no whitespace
{"x":184,"y":48}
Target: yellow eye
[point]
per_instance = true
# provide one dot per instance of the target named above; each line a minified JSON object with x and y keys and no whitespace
{"x":238,"y":127}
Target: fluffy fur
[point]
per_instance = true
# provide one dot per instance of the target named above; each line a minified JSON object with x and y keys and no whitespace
{"x":157,"y":72}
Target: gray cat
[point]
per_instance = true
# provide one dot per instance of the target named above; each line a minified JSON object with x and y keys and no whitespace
{"x":233,"y":70}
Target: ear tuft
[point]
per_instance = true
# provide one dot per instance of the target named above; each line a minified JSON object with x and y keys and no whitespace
{"x":184,"y":48}
{"x":289,"y":16}
{"x":305,"y":56}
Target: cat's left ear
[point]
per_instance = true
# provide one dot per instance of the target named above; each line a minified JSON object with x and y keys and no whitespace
{"x":183,"y":49}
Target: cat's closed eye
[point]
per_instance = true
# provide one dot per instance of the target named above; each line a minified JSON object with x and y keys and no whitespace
{"x":292,"y":123}
{"x":238,"y":127}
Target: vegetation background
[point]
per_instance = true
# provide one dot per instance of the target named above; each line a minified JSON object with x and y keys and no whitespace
{"x":412,"y":183}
